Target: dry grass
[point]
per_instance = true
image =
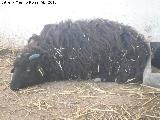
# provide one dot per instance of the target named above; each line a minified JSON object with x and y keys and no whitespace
{"x":75,"y":100}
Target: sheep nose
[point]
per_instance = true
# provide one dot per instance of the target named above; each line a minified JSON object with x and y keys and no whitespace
{"x":14,"y":88}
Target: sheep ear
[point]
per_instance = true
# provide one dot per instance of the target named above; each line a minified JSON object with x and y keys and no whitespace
{"x":34,"y":56}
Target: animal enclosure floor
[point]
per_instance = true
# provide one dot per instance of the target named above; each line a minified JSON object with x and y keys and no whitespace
{"x":76,"y":100}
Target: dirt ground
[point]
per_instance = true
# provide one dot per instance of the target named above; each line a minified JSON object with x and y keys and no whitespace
{"x":76,"y":100}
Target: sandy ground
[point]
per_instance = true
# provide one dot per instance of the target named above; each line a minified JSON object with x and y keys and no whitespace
{"x":76,"y":100}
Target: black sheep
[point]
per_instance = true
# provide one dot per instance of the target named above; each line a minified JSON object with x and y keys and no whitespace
{"x":83,"y":49}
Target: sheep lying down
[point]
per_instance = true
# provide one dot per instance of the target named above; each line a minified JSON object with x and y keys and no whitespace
{"x":84,"y":49}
